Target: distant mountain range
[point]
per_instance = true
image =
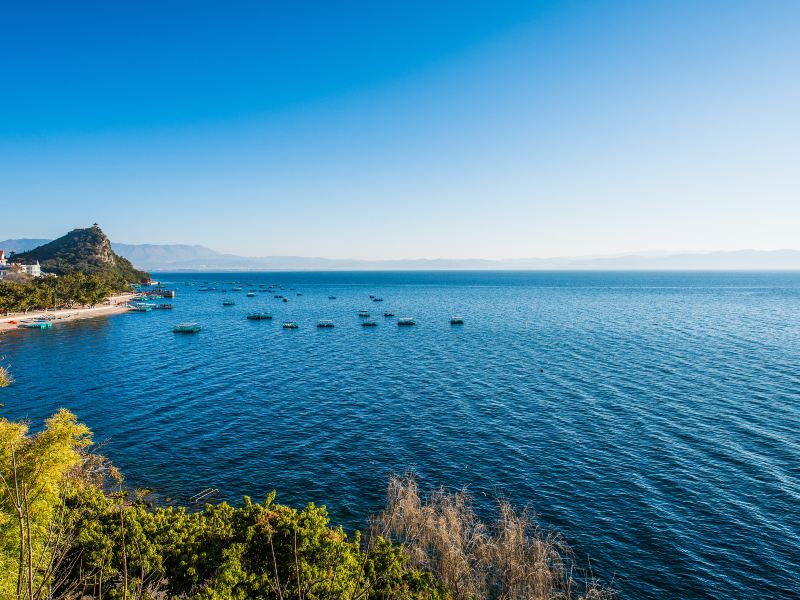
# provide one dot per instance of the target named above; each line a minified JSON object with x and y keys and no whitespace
{"x":181,"y":257}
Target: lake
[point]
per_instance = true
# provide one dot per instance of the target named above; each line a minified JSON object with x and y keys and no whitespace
{"x":652,"y":418}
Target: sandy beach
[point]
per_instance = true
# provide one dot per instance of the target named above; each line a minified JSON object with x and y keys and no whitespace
{"x":114,"y":305}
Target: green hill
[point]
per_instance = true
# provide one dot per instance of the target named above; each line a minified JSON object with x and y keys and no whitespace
{"x":85,"y":251}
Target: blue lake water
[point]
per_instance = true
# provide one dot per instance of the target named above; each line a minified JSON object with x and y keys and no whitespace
{"x":652,"y":418}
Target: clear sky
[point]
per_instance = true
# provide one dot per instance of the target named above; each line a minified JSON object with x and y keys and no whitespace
{"x":407,"y":129}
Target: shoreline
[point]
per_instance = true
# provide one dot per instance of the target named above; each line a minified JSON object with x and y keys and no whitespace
{"x":114,"y":305}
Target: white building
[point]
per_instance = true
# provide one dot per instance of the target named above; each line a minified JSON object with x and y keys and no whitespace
{"x":3,"y":259}
{"x":33,"y":270}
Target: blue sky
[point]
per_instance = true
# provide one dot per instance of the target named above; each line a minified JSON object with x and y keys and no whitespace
{"x":404,"y":129}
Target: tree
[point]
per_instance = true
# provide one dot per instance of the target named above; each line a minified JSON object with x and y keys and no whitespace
{"x":35,"y":482}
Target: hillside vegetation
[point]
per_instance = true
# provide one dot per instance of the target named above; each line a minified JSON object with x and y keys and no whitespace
{"x":69,"y":529}
{"x":86,"y":251}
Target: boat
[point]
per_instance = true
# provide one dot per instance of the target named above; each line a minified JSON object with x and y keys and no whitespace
{"x":369,"y":324}
{"x":278,"y":296}
{"x":388,"y":313}
{"x":186,"y":328}
{"x":377,"y":299}
{"x":299,"y":293}
{"x":251,"y":294}
{"x":37,"y":325}
{"x":228,"y":303}
{"x":371,"y":296}
{"x":325,"y":323}
{"x":406,"y":321}
{"x":363,"y":313}
{"x":285,"y":299}
{"x":237,"y":289}
{"x":331,"y":297}
{"x":260,"y":316}
{"x":164,"y":306}
{"x":290,"y":325}
{"x":456,"y":320}
{"x":141,"y":306}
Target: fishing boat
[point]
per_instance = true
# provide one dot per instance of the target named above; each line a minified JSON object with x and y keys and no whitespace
{"x":331,"y":297}
{"x":377,"y":299}
{"x":164,"y":306}
{"x":279,"y":296}
{"x":369,"y":324}
{"x":406,"y":321}
{"x":290,"y":325}
{"x":324,"y":323}
{"x":456,"y":320}
{"x":363,"y":313}
{"x":228,"y":303}
{"x":186,"y":328}
{"x":251,"y":294}
{"x":37,"y":325}
{"x":371,"y":296}
{"x":260,"y":316}
{"x":299,"y":293}
{"x":141,"y":306}
{"x":388,"y":313}
{"x":285,"y":299}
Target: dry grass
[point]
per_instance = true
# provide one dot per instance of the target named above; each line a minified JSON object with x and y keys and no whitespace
{"x":510,"y":559}
{"x":5,"y":377}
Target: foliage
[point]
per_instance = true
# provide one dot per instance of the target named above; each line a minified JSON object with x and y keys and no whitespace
{"x":57,"y":292}
{"x":34,"y":475}
{"x":68,"y":530}
{"x":86,"y":251}
{"x":108,"y":545}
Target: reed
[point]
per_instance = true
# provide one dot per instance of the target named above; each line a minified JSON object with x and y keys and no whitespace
{"x":5,"y":377}
{"x":511,"y":558}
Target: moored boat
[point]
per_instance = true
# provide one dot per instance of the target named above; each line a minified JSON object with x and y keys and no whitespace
{"x":406,"y":321}
{"x":251,"y":294}
{"x":36,"y":325}
{"x":363,"y":313}
{"x":369,"y":323}
{"x":388,"y":313}
{"x":186,"y":328}
{"x":290,"y":325}
{"x":228,"y":303}
{"x":456,"y":320}
{"x":324,"y":323}
{"x":260,"y":316}
{"x":141,"y":306}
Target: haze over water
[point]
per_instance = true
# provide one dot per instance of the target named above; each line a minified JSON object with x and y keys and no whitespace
{"x":651,"y":418}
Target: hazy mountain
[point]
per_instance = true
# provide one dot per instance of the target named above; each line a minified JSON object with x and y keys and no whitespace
{"x":182,"y":257}
{"x":199,"y":258}
{"x":21,"y":245}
